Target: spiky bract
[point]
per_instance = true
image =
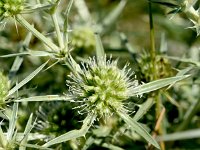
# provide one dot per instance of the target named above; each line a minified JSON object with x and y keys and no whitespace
{"x":101,"y":87}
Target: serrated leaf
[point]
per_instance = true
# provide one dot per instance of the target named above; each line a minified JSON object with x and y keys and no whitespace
{"x":27,"y":130}
{"x":29,"y":52}
{"x":27,"y":79}
{"x":155,"y":85}
{"x":143,"y":109}
{"x":46,"y":98}
{"x":36,"y":8}
{"x":138,"y":128}
{"x":181,"y":73}
{"x":12,"y":122}
{"x":87,"y":123}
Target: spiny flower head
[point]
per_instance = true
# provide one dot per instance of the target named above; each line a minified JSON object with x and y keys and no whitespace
{"x":100,"y":87}
{"x":162,"y":66}
{"x":10,"y":8}
{"x":4,"y":88}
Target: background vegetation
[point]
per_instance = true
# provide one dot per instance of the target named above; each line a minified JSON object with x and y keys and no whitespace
{"x":151,"y":36}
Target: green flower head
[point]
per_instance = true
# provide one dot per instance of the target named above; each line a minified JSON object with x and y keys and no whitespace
{"x":10,"y":8}
{"x":4,"y":88}
{"x":100,"y":87}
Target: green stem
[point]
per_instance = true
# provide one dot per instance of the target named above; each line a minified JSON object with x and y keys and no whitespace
{"x":153,"y":54}
{"x":57,"y":28}
{"x":29,"y":27}
{"x":152,"y":43}
{"x":153,"y":69}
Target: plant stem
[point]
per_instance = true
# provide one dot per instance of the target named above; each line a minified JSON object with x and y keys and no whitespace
{"x":154,"y":70}
{"x":35,"y":32}
{"x":152,"y":38}
{"x":57,"y":28}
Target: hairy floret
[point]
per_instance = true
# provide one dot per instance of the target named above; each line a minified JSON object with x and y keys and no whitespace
{"x":10,"y":8}
{"x":101,"y":87}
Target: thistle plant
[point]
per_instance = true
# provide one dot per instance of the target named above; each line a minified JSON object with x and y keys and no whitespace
{"x":97,"y":88}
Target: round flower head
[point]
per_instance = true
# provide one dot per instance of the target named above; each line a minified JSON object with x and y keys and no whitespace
{"x":100,"y":87}
{"x":4,"y":88}
{"x":10,"y":8}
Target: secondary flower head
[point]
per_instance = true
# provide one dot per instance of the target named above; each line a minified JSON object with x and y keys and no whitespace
{"x":83,"y":39}
{"x":4,"y":88}
{"x":10,"y":8}
{"x":100,"y":87}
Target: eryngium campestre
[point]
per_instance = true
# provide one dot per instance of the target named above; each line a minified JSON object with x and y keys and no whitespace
{"x":100,"y":87}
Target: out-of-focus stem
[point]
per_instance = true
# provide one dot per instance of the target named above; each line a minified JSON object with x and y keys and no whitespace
{"x":152,"y":39}
{"x":57,"y":28}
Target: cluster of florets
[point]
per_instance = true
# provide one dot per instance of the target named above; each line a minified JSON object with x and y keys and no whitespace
{"x":101,"y":87}
{"x":162,"y":67}
{"x":10,"y":8}
{"x":4,"y":88}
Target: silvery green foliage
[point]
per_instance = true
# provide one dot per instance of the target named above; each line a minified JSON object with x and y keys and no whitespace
{"x":101,"y":87}
{"x":187,"y":6}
